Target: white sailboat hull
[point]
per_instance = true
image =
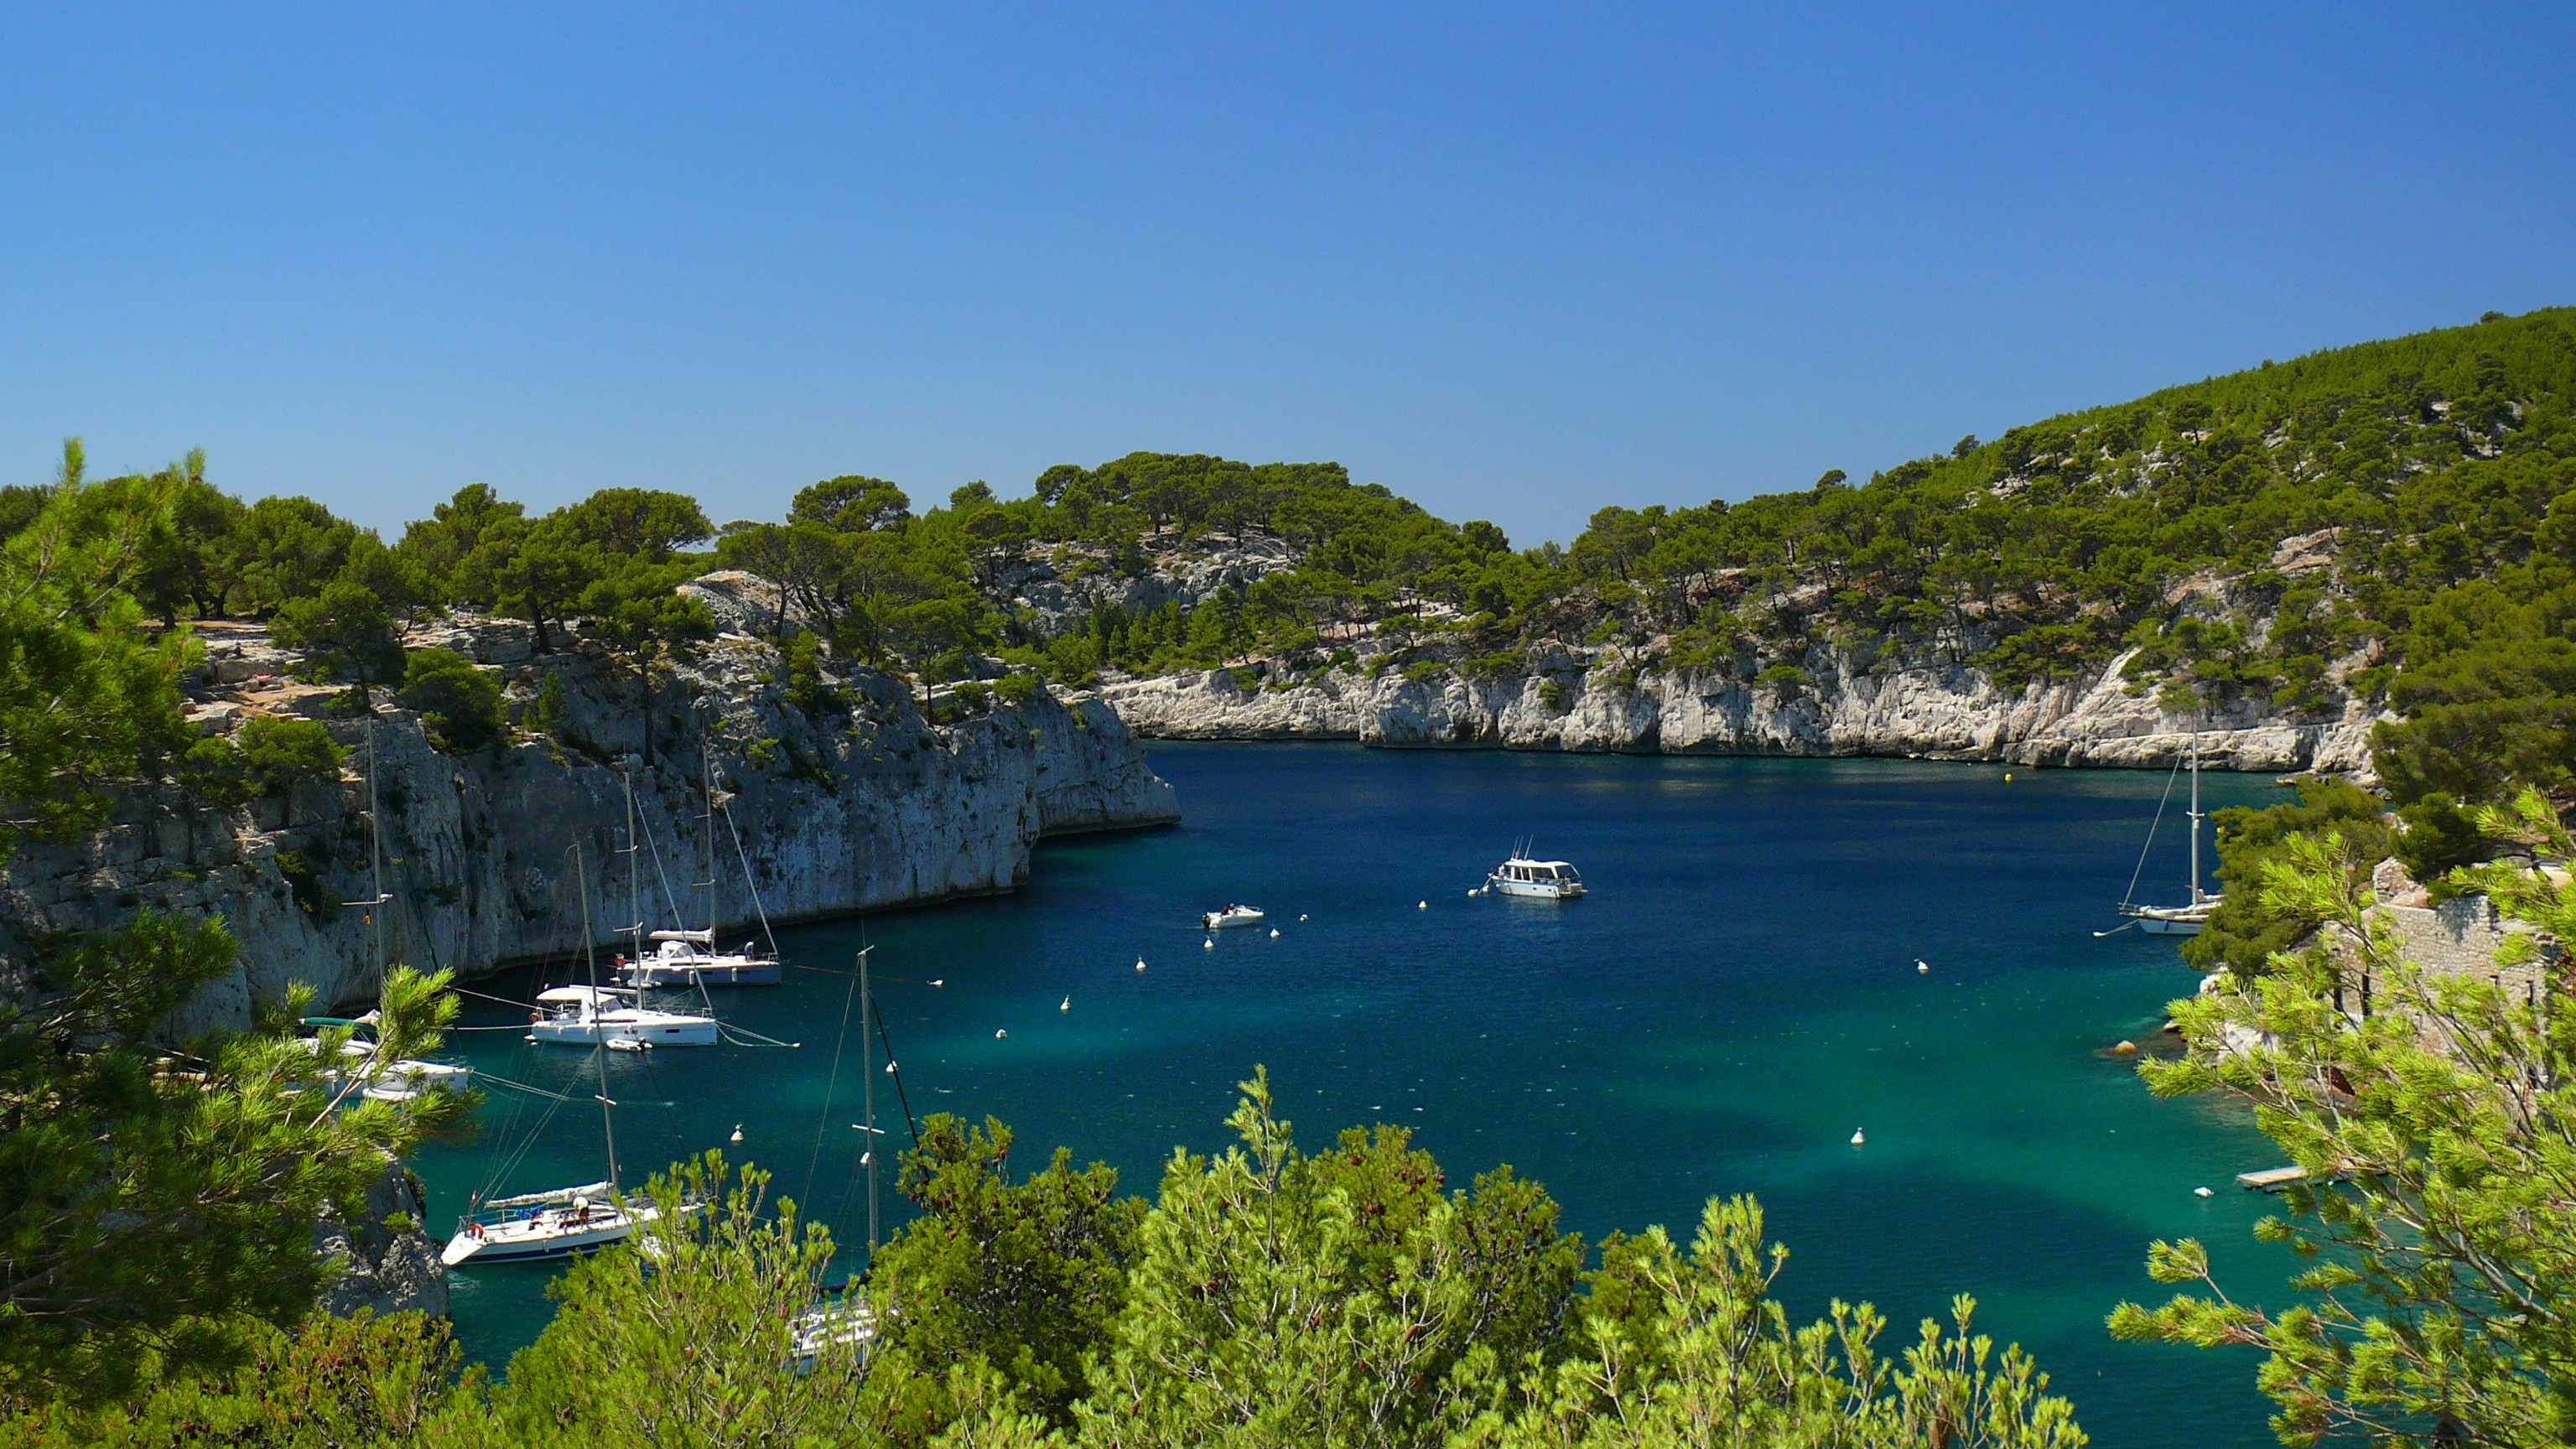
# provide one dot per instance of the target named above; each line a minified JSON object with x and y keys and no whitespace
{"x":2179,"y":921}
{"x":645,"y":1028}
{"x":553,"y":1232}
{"x":702,"y":971}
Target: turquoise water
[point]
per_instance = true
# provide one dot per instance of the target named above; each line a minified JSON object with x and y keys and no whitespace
{"x":1734,"y":999}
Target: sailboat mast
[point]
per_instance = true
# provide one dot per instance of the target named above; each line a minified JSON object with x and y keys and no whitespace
{"x":375,"y":858}
{"x":634,"y":876}
{"x":868,"y":1074}
{"x":2195,"y":817}
{"x":599,"y":1038}
{"x":707,"y":788}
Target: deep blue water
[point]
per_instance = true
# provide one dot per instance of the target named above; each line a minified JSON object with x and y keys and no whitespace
{"x":1737,"y":996}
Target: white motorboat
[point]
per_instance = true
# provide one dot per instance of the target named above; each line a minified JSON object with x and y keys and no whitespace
{"x":1233,"y":916}
{"x":689,"y":958}
{"x":2185,"y":920}
{"x":606,"y":1015}
{"x":1549,"y":880}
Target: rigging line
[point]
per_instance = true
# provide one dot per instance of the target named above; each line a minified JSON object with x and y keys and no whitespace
{"x":645,"y":825}
{"x":486,"y":996}
{"x":878,"y":1012}
{"x":823,"y":1123}
{"x":670,"y":1111}
{"x":745,"y":1036}
{"x":2132,"y":892}
{"x":748,"y":883}
{"x":511,"y":1160}
{"x":499,"y":1080}
{"x":836,"y":971}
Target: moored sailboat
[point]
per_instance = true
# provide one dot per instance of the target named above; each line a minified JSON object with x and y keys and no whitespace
{"x":565,"y":1220}
{"x":2183,"y":920}
{"x":690,"y":957}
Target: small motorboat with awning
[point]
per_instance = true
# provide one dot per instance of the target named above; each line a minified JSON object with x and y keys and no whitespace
{"x":1551,"y":880}
{"x":1233,"y":916}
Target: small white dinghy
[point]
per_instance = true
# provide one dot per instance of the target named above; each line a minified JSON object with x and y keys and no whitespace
{"x":593,"y":1015}
{"x":1234,"y":916}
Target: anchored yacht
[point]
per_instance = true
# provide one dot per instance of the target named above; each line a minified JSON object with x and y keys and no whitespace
{"x":606,"y":1015}
{"x":546,"y":1225}
{"x":1552,"y":880}
{"x":2184,"y":920}
{"x":690,"y":958}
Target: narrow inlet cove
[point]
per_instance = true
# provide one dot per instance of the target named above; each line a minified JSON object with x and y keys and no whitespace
{"x":1735,"y":998}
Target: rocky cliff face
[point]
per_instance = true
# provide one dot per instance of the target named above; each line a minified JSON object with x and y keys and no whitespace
{"x":1596,"y":700}
{"x":388,"y":1262}
{"x":846,"y":798}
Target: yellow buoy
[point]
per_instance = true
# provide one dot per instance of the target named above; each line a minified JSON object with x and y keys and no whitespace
{"x":2007,"y":777}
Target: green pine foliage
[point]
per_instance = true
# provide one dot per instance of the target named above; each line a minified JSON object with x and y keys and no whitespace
{"x":2429,"y":1111}
{"x":459,"y":702}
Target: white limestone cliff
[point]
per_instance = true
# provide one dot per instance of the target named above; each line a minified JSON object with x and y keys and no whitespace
{"x":849,"y":801}
{"x":1594,"y":701}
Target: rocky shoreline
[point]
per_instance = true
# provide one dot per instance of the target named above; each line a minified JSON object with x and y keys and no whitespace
{"x":1598,"y":702}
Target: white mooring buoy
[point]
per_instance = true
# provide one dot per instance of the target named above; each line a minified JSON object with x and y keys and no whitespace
{"x":1922,"y":967}
{"x":1140,"y":963}
{"x":997,"y":1036}
{"x":1422,"y":905}
{"x":1857,"y":1138}
{"x":1066,"y":1005}
{"x":737,"y":1132}
{"x":1274,"y":933}
{"x":939,"y":981}
{"x":2202,"y":1192}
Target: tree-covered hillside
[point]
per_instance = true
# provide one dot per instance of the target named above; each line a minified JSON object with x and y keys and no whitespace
{"x":2380,"y":522}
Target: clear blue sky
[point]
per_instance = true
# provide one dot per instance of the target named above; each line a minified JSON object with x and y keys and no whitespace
{"x":1515,"y":263}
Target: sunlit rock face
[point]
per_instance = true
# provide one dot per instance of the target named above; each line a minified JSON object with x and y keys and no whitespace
{"x":1597,"y":700}
{"x":850,"y":798}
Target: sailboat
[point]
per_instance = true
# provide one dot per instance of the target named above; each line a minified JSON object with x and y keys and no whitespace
{"x":594,"y":1015}
{"x":684,"y":957}
{"x":562,"y":1220}
{"x":845,"y":1318}
{"x":405,"y":1078}
{"x":2184,"y":920}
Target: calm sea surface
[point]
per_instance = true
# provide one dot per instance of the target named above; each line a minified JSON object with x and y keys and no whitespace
{"x":1737,"y":996}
